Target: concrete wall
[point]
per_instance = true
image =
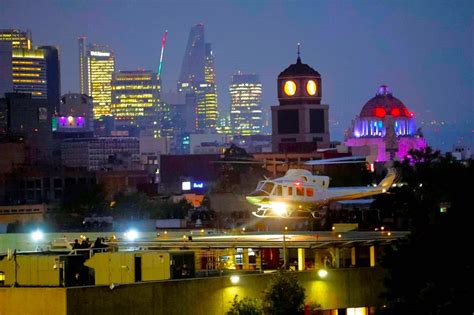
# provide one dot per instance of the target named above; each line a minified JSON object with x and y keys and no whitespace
{"x":342,"y":288}
{"x":37,"y":301}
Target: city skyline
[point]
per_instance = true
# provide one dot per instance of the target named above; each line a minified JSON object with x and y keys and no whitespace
{"x":421,"y":50}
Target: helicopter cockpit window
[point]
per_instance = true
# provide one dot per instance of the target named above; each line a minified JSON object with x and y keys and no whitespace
{"x":279,"y":190}
{"x":260,"y":184}
{"x":268,"y":187}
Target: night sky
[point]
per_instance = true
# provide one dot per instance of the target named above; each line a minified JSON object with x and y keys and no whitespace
{"x":422,"y":49}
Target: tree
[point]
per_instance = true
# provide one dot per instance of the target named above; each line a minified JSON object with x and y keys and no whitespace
{"x":426,"y":270}
{"x":245,"y":306}
{"x":284,"y":296}
{"x":171,"y":210}
{"x":84,"y":199}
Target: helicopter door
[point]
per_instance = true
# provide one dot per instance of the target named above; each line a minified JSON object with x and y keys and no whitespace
{"x":279,"y":190}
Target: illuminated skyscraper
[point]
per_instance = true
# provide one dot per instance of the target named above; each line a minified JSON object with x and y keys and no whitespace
{"x":96,"y":65}
{"x":82,"y":65}
{"x":135,"y":98}
{"x":192,"y":69}
{"x":198,"y":77}
{"x":18,"y":39}
{"x":53,"y":75}
{"x":246,"y":104}
{"x":29,"y":72}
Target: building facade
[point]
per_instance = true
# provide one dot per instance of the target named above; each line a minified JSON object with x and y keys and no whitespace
{"x":198,"y":77}
{"x":29,"y":121}
{"x":387,"y":124}
{"x":75,"y":113}
{"x":246,"y":104}
{"x":24,"y":69}
{"x":102,"y":153}
{"x":29,"y":72}
{"x":53,"y":74}
{"x":17,"y":38}
{"x":96,"y":66}
{"x":300,"y":123}
{"x":136,"y":99}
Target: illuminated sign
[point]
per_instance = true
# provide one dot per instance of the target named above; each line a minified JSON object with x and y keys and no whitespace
{"x":100,"y":54}
{"x":198,"y":185}
{"x":186,"y":186}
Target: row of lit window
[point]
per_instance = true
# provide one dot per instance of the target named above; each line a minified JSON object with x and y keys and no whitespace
{"x":16,"y":74}
{"x":134,"y":87}
{"x":125,"y":78}
{"x":18,"y":62}
{"x":28,"y":81}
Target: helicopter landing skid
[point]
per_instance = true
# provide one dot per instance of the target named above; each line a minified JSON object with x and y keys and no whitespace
{"x":263,"y":213}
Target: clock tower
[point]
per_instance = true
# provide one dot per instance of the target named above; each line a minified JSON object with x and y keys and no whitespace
{"x":300,"y":123}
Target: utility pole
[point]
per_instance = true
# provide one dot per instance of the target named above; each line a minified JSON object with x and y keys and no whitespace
{"x":284,"y":247}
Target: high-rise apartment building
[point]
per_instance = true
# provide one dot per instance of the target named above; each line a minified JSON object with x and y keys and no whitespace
{"x":136,"y":98}
{"x":96,"y":65}
{"x":198,"y":77}
{"x":246,"y":104}
{"x":17,"y":38}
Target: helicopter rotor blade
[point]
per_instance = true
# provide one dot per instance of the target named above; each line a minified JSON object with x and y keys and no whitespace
{"x":341,"y":160}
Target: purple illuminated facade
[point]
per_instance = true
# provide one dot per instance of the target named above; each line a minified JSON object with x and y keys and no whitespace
{"x":387,"y":124}
{"x":75,"y":114}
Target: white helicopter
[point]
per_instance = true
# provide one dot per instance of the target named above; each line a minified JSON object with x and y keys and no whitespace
{"x":301,"y":191}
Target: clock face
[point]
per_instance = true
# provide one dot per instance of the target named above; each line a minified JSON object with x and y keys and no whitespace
{"x":311,"y":87}
{"x":290,"y":88}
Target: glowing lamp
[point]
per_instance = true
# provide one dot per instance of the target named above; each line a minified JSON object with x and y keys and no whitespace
{"x":380,"y":112}
{"x":234,"y":279}
{"x":311,"y":87}
{"x":406,"y":112}
{"x":297,"y":183}
{"x":70,"y":119}
{"x":37,"y":235}
{"x":131,"y":235}
{"x":289,"y":88}
{"x":395,"y":112}
{"x":322,"y":273}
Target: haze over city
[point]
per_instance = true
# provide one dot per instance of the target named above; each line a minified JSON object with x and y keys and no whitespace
{"x":421,"y":49}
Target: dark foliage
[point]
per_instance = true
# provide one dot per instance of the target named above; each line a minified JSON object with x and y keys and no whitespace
{"x":429,"y":272}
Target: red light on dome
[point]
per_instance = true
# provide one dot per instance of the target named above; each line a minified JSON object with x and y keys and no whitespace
{"x":380,"y":112}
{"x":412,"y":114}
{"x":297,"y":183}
{"x":395,"y":112}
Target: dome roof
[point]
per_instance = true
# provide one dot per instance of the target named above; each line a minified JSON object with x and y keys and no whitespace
{"x":384,"y":103}
{"x":299,"y":69}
